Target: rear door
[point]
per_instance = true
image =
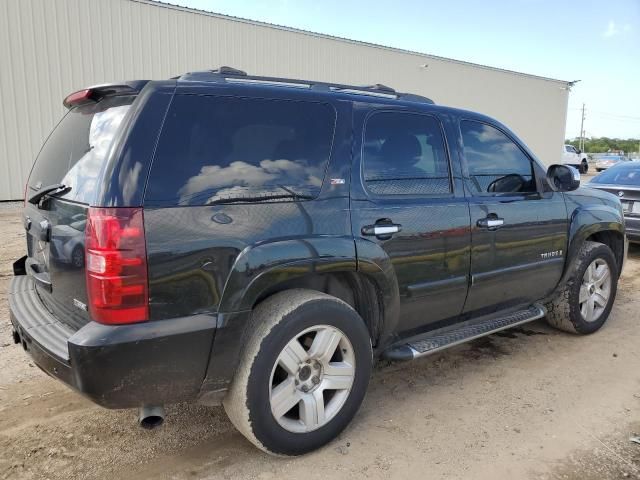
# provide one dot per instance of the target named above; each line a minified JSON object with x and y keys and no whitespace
{"x":518,"y":228}
{"x":405,"y":200}
{"x":74,"y":155}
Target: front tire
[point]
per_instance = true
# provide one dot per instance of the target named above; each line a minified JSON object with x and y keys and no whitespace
{"x":584,"y":167}
{"x":586,"y":299}
{"x":303,"y":373}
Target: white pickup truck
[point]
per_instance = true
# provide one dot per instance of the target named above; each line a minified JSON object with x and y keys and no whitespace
{"x":575,"y":158}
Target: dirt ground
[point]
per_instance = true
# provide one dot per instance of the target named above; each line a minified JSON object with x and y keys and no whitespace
{"x":531,"y":403}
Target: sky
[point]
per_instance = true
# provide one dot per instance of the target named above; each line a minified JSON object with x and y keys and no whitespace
{"x":596,"y":42}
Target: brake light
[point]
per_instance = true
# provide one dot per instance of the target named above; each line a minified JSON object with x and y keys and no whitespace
{"x":116,"y":265}
{"x":78,"y":98}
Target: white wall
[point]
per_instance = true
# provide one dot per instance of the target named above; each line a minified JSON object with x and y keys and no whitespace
{"x":49,"y":48}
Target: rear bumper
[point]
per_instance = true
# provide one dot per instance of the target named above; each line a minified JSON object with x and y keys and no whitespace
{"x":121,"y":366}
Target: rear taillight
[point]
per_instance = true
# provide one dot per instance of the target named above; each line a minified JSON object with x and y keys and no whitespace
{"x":116,"y":263}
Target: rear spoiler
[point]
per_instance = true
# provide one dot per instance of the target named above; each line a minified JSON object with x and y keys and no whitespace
{"x":98,"y":92}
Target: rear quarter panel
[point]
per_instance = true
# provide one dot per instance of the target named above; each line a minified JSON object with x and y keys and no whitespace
{"x":197,"y":264}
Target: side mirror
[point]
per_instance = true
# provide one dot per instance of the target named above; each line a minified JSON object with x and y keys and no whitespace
{"x":563,"y":177}
{"x":578,"y":151}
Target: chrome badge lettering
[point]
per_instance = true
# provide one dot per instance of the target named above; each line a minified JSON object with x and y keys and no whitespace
{"x":555,"y":253}
{"x":77,"y":303}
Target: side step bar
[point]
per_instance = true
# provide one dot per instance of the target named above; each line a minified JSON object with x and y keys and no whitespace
{"x":437,"y":340}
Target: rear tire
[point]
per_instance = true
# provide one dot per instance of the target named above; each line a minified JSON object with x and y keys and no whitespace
{"x":303,"y":373}
{"x":585,"y":301}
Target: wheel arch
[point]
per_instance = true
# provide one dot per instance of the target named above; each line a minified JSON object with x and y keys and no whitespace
{"x":358,"y":290}
{"x":614,"y":240}
{"x":325,"y":264}
{"x":603,"y":224}
{"x":365,"y":281}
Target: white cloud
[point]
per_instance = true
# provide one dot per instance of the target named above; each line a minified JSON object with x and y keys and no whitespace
{"x":614,"y":29}
{"x":242,"y":178}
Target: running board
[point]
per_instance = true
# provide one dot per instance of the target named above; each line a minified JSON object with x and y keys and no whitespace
{"x":437,"y":340}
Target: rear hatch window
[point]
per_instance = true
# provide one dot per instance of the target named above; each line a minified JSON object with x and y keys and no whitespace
{"x":75,"y":154}
{"x":76,"y":151}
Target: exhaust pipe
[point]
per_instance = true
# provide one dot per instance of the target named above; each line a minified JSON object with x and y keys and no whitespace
{"x":151,"y":417}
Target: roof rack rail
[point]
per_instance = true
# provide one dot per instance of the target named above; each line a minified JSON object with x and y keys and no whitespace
{"x":233,"y":75}
{"x":381,"y":87}
{"x":363,"y":91}
{"x":224,"y":70}
{"x":413,"y":97}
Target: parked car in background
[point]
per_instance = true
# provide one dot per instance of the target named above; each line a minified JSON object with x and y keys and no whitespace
{"x":575,"y":158}
{"x":623,"y":180}
{"x":609,"y":161}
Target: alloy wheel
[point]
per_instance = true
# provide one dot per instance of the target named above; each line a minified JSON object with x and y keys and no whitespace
{"x":311,"y":379}
{"x":595,"y":290}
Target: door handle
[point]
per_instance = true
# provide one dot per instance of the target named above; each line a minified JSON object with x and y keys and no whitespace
{"x":381,"y":230}
{"x":491,"y":222}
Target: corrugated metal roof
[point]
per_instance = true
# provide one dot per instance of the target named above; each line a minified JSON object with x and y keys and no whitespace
{"x":232,"y":18}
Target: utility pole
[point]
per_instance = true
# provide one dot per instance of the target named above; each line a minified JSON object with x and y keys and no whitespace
{"x":581,"y":143}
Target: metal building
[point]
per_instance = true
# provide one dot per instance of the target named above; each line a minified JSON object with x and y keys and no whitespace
{"x":49,"y":48}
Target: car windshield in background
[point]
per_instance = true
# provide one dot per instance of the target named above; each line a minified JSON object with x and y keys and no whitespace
{"x":620,"y":175}
{"x":610,"y":158}
{"x":75,"y":153}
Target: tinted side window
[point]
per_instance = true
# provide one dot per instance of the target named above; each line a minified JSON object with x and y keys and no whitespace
{"x":496,"y":164}
{"x":404,"y":154}
{"x":227,"y":149}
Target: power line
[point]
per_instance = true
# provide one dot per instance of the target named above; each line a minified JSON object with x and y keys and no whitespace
{"x":607,"y":114}
{"x":619,"y":117}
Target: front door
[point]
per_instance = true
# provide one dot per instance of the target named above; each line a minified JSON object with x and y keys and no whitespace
{"x":404,"y":200}
{"x":518,"y":227}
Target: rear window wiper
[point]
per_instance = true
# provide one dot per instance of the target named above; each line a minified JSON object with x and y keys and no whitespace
{"x":261,"y":198}
{"x":56,"y":188}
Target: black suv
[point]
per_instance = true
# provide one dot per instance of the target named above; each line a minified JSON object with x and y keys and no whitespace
{"x":256,"y":241}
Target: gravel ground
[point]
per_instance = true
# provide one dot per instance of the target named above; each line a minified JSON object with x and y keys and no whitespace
{"x":11,"y":206}
{"x":527,"y":403}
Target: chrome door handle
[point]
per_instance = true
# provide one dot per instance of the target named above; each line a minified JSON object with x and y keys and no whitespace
{"x":491,"y":222}
{"x":381,"y":230}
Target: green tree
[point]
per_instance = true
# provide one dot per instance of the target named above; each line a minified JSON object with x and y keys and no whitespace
{"x":606,"y":144}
